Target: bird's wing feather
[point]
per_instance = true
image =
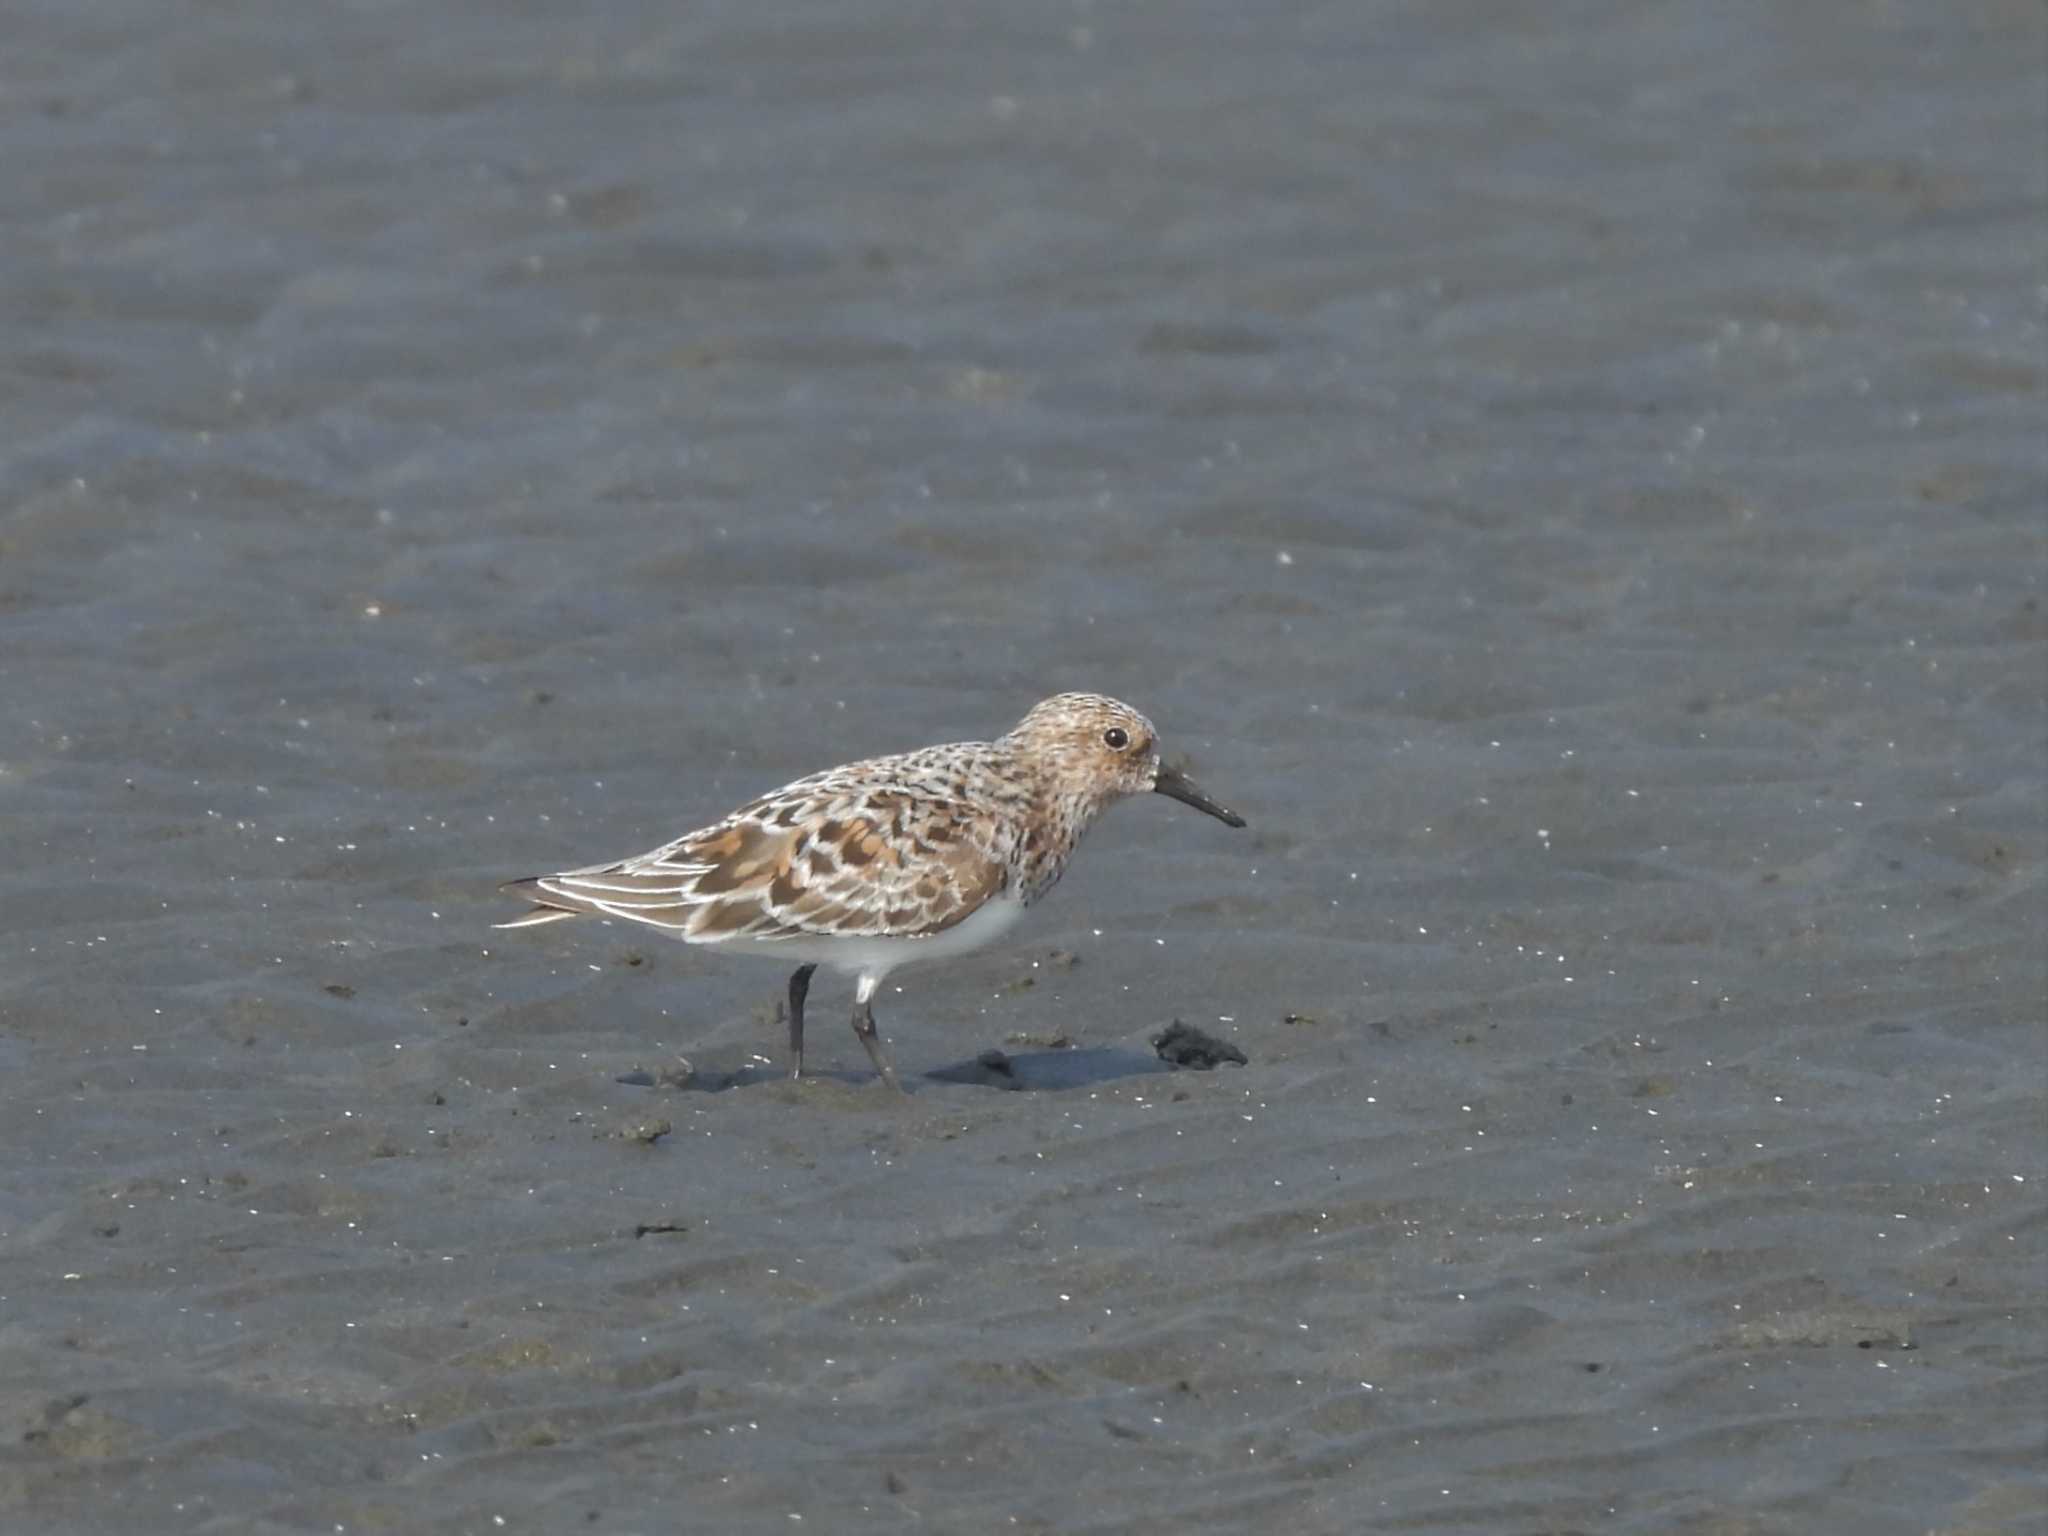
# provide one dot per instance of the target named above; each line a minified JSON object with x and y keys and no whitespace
{"x":817,"y":858}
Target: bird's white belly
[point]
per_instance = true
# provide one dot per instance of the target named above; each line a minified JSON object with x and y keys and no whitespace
{"x":875,"y":956}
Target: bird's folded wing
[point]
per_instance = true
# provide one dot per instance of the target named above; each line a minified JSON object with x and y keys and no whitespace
{"x":885,"y":865}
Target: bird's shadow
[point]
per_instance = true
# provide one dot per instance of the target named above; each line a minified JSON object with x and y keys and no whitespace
{"x":1050,"y":1071}
{"x":1046,"y":1071}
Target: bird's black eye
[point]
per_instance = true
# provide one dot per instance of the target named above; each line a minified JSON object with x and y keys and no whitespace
{"x":1116,"y":738}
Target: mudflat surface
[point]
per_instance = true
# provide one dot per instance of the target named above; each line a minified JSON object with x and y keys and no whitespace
{"x":1573,"y":479}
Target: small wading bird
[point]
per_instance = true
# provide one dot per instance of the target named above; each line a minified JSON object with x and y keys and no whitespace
{"x":888,"y":862}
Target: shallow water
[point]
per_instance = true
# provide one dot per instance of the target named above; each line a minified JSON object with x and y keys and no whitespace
{"x":1573,"y":480}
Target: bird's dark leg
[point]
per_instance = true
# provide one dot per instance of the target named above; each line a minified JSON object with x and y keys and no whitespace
{"x":864,"y":1027}
{"x":799,"y":986}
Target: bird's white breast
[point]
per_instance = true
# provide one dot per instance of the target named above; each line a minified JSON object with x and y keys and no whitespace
{"x":875,"y":956}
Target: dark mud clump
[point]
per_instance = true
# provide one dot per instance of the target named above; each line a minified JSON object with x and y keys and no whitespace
{"x":1183,"y":1045}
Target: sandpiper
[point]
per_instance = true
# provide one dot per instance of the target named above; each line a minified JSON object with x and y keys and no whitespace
{"x":887,"y":862}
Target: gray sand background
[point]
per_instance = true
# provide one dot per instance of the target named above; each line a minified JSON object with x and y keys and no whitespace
{"x":1571,"y":475}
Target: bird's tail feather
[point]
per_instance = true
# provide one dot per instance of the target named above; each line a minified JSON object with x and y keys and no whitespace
{"x":546,"y":907}
{"x":537,"y":917}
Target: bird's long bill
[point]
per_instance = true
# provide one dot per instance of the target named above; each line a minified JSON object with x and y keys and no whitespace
{"x":1172,"y":781}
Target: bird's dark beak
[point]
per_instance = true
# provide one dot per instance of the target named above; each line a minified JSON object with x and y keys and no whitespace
{"x":1172,"y":781}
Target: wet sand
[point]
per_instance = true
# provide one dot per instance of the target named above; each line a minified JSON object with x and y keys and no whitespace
{"x":1574,"y":483}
